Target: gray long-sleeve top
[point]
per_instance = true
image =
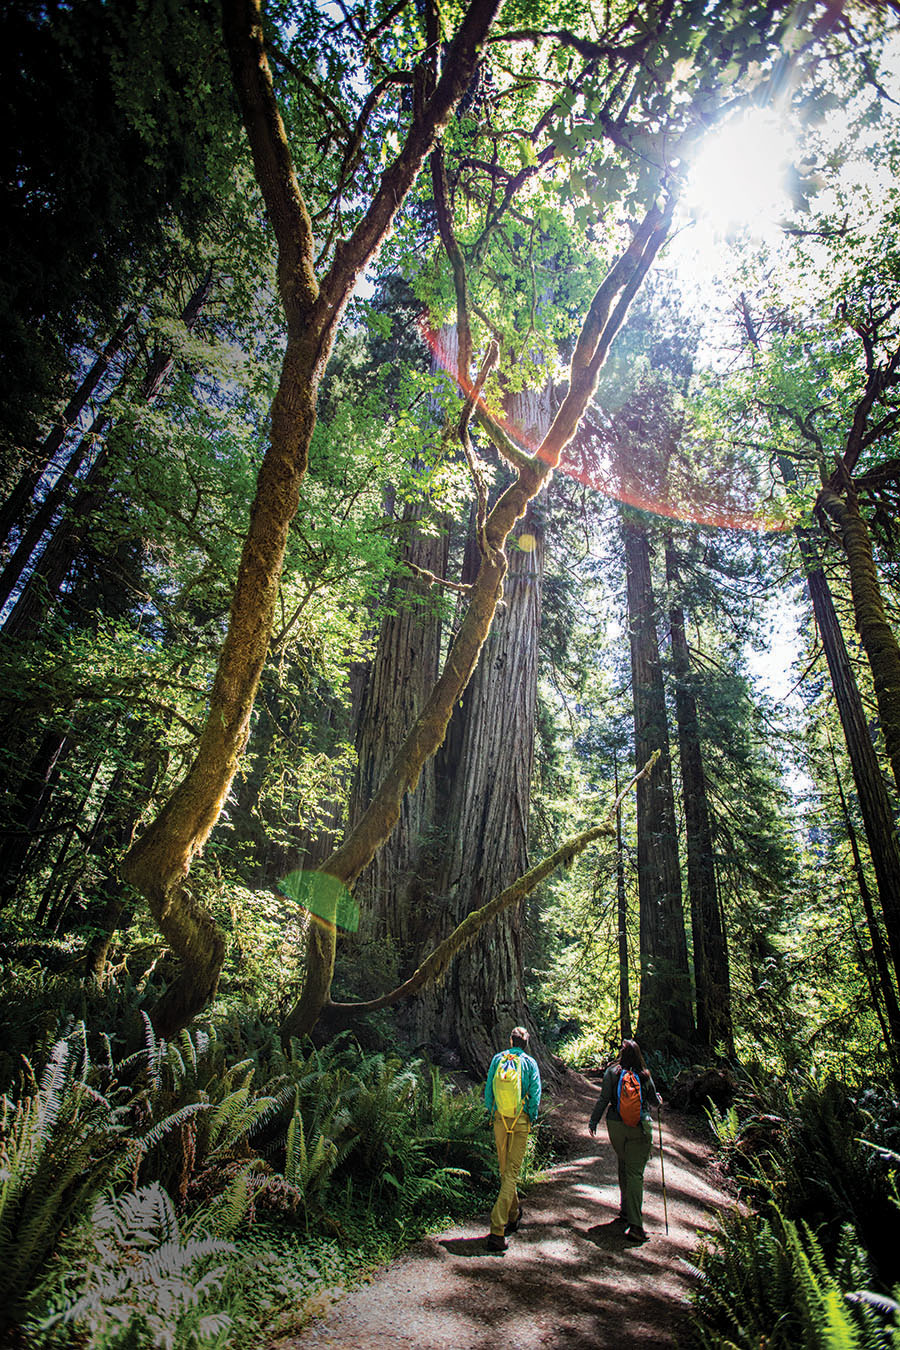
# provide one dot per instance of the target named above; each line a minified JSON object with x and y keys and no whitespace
{"x":609,"y":1093}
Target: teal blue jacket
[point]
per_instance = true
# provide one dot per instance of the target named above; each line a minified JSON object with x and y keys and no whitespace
{"x":531,"y":1084}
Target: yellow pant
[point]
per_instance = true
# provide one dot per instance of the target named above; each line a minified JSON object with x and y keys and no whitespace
{"x":511,"y":1145}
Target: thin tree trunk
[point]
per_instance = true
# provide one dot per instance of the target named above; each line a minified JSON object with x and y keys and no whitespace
{"x":12,"y":510}
{"x":109,"y":902}
{"x":26,"y":811}
{"x":665,"y":1018}
{"x":711,"y":975}
{"x":46,"y":581}
{"x":871,"y":790}
{"x":622,"y":915}
{"x":876,"y":634}
{"x":886,"y":985}
{"x":57,"y":892}
{"x":20,"y":559}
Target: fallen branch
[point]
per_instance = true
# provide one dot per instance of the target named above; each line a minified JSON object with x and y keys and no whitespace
{"x":434,"y":965}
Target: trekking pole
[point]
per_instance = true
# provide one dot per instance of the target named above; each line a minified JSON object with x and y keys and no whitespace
{"x":662,"y":1165}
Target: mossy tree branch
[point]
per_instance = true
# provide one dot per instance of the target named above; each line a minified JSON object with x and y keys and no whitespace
{"x":156,"y":866}
{"x":435,"y":964}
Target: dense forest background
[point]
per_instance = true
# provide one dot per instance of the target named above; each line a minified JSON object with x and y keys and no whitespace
{"x":416,"y":424}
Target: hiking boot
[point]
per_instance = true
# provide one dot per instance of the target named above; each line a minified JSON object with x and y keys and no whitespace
{"x":497,"y":1242}
{"x":635,"y":1233}
{"x":513,"y":1226}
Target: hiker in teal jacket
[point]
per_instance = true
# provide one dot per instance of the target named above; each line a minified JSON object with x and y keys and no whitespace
{"x":511,"y":1137}
{"x":632,"y":1143}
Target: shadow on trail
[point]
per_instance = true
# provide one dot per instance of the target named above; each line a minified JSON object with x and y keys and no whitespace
{"x":467,"y":1247}
{"x":570,"y":1279}
{"x":604,"y":1234}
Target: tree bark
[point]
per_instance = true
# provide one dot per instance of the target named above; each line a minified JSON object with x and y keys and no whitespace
{"x":605,"y":316}
{"x":465,"y":933}
{"x":712,"y":982}
{"x":391,"y":891}
{"x":159,"y":861}
{"x":13,"y":509}
{"x":622,"y":926}
{"x":43,"y":587}
{"x":885,"y":986}
{"x":871,"y":790}
{"x":483,"y":797}
{"x":875,"y":632}
{"x":665,"y":1018}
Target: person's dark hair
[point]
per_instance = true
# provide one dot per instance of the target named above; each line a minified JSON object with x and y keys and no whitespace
{"x":630,"y":1057}
{"x":519,"y":1036}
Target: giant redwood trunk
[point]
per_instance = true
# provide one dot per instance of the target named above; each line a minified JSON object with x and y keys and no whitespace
{"x":483,"y":795}
{"x":159,"y":861}
{"x":462,"y":836}
{"x":665,"y":1018}
{"x":392,"y":892}
{"x":712,"y":983}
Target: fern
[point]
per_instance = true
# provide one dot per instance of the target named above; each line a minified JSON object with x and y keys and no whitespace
{"x":143,"y":1276}
{"x":763,"y":1280}
{"x":60,"y":1145}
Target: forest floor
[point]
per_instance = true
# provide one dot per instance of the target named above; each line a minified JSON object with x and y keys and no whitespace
{"x":569,"y":1279}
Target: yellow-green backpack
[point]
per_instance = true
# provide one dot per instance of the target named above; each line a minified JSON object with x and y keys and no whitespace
{"x":507,"y":1084}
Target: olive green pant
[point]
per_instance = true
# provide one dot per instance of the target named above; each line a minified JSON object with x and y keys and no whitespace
{"x":511,"y":1146}
{"x":632,"y":1144}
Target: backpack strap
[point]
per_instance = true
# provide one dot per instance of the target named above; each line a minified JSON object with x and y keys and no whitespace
{"x":509,"y":1128}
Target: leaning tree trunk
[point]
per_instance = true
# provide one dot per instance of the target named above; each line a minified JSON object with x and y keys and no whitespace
{"x":876,"y":634}
{"x":14,"y":507}
{"x":45,"y":583}
{"x":882,"y":984}
{"x":871,"y":791}
{"x":712,"y":982}
{"x":665,"y":1017}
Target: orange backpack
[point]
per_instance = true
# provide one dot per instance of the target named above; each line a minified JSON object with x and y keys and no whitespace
{"x":629,"y":1097}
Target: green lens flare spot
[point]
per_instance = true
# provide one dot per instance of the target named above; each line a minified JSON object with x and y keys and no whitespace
{"x":326,"y":898}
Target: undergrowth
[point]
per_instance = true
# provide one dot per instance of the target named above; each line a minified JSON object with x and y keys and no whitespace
{"x":188,"y":1195}
{"x":811,"y":1257}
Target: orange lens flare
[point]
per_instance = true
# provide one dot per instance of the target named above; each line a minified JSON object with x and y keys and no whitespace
{"x":704,"y":506}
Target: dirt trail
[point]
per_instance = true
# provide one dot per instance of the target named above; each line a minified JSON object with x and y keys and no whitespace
{"x":569,"y":1279}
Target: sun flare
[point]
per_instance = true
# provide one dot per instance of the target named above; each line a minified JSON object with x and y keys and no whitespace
{"x":739,"y":177}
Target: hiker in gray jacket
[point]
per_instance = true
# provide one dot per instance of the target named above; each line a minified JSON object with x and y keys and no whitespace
{"x":632,"y":1142}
